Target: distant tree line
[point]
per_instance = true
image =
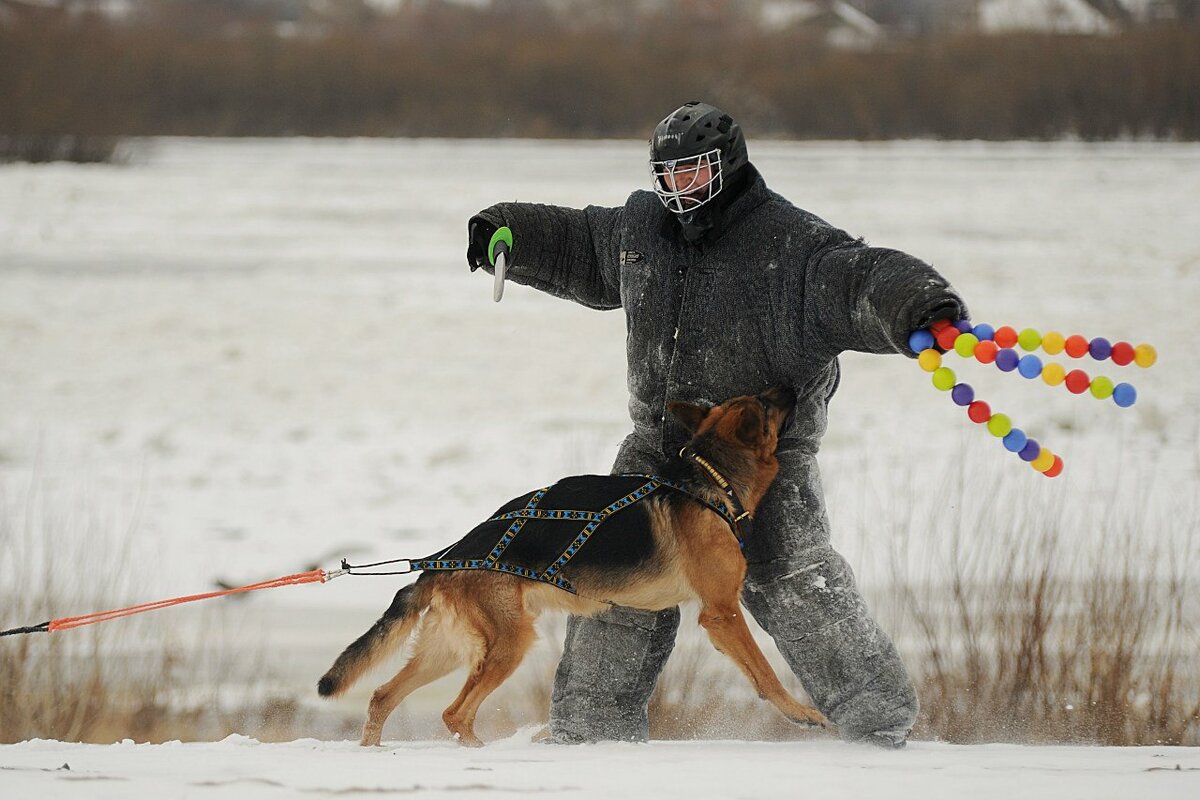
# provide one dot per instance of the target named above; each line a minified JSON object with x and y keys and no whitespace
{"x":458,"y":71}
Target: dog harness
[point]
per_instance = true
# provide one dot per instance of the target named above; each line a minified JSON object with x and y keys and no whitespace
{"x":536,"y":535}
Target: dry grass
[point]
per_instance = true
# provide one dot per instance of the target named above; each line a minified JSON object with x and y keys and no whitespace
{"x":134,"y":679}
{"x":1013,"y":633}
{"x":1024,"y":636}
{"x":75,"y":149}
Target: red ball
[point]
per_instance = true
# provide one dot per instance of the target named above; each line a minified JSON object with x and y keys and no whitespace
{"x":979,"y":411}
{"x":985,"y":352}
{"x":1055,"y":469}
{"x":1078,"y":381}
{"x":946,"y":337}
{"x":1005,"y":336}
{"x":1122,"y":354}
{"x":1077,"y":346}
{"x":937,"y":326}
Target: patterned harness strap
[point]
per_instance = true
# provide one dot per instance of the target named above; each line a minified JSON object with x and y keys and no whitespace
{"x":591,"y":519}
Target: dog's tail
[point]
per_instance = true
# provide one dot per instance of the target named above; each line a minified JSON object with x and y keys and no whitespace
{"x":385,"y":636}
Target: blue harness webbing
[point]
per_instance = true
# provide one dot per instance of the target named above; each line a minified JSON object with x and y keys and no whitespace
{"x":592,"y":519}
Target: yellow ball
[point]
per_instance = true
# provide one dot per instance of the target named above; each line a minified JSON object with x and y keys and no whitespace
{"x":1053,"y":374}
{"x":999,"y":425}
{"x":965,"y":344}
{"x":929,"y":359}
{"x":943,"y":379}
{"x":1053,"y":342}
{"x":1144,"y":355}
{"x":1101,"y":387}
{"x":1044,"y":461}
{"x":1029,"y":339}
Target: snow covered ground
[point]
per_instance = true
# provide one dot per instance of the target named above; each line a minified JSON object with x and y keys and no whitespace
{"x":514,"y":767}
{"x":234,"y":359}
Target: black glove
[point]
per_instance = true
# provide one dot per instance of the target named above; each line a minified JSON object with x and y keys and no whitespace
{"x":479,"y":236}
{"x":949,"y":311}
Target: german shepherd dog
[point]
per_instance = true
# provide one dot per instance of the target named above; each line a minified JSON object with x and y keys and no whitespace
{"x":484,"y":619}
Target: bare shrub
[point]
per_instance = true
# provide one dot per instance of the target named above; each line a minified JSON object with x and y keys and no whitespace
{"x":133,"y":679}
{"x":75,"y":149}
{"x":1023,"y":636}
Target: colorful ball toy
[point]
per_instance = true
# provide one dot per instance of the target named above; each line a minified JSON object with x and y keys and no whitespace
{"x":989,"y":345}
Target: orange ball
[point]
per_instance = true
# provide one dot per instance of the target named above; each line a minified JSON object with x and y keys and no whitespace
{"x":937,"y":326}
{"x":1077,"y":346}
{"x":946,"y":337}
{"x":1056,"y":469}
{"x":1005,"y":336}
{"x":985,"y":352}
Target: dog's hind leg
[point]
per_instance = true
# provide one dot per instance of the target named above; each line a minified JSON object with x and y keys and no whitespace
{"x":433,"y":657}
{"x":501,"y":656}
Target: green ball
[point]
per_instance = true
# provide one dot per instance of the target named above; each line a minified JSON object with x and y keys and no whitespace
{"x":1101,"y":387}
{"x":999,"y":425}
{"x":943,"y":379}
{"x":965,"y":344}
{"x":1029,"y":339}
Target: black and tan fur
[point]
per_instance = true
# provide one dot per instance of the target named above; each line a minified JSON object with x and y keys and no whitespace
{"x":485,"y":620}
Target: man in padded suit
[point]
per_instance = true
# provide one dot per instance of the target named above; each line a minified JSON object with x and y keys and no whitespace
{"x":728,"y":289}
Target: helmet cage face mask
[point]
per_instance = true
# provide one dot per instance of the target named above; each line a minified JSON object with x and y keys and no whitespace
{"x":683,"y":174}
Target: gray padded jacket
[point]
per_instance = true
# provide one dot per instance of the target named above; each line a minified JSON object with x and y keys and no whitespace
{"x":771,"y":300}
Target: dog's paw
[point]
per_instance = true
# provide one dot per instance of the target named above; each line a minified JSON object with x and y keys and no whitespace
{"x":468,"y":739}
{"x":811,"y":718}
{"x":372,"y":735}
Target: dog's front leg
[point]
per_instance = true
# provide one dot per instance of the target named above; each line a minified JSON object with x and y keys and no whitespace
{"x":726,"y":626}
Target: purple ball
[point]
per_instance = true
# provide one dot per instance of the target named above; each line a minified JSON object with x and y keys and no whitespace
{"x":1099,"y":348}
{"x":962,"y":394}
{"x":963,"y":326}
{"x":1007,"y":359}
{"x":1031,"y":450}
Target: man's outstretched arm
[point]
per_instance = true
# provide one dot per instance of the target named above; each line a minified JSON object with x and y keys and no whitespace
{"x":870,"y":299}
{"x":566,"y":252}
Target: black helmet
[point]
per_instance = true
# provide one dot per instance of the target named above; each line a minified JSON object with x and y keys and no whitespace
{"x":691,"y":138}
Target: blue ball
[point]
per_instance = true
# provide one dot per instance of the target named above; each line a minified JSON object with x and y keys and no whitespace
{"x":1014,"y":440}
{"x":1030,"y":366}
{"x":984,"y":332}
{"x":1031,"y":450}
{"x":1007,"y":359}
{"x":1124,"y":395}
{"x":962,"y":394}
{"x":963,"y":326}
{"x":920,"y":341}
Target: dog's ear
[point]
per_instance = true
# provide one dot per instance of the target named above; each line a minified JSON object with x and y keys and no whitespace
{"x":690,"y":416}
{"x":781,"y":397}
{"x":750,"y":428}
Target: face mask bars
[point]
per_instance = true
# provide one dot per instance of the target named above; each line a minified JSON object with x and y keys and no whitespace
{"x":682,"y":173}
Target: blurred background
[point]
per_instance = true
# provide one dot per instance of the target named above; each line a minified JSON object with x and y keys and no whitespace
{"x":796,"y":69}
{"x":238,"y":338}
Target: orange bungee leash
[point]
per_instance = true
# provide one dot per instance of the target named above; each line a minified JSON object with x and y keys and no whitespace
{"x":312,"y":576}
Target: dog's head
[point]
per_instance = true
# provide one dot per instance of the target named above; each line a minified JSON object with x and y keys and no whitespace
{"x":749,"y":424}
